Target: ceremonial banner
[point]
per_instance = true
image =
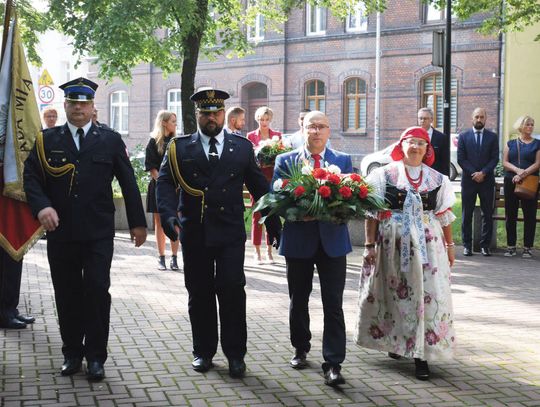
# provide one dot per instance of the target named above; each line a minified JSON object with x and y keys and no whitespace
{"x":19,"y":124}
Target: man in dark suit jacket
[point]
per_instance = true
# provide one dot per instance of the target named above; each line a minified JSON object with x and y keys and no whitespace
{"x":312,"y":243}
{"x":439,"y":142}
{"x":478,"y":155}
{"x":210,"y":167}
{"x":67,"y":180}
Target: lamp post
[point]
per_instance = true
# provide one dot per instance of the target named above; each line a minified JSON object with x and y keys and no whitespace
{"x":447,"y":89}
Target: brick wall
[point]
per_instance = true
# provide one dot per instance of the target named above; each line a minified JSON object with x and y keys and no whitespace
{"x":284,"y":62}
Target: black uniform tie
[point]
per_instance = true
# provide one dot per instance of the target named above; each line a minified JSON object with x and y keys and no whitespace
{"x":213,"y":155}
{"x":80,"y":133}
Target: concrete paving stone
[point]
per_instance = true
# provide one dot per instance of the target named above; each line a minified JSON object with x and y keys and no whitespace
{"x":497,"y":322}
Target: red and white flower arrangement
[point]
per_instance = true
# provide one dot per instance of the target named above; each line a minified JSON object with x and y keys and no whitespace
{"x":323,"y":194}
{"x":267,"y":151}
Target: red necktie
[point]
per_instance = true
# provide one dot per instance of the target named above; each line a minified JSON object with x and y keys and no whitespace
{"x":317,"y":159}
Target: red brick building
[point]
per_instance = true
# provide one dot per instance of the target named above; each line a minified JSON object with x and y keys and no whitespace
{"x":321,"y":62}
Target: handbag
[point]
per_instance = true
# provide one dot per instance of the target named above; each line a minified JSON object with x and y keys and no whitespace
{"x":528,"y":187}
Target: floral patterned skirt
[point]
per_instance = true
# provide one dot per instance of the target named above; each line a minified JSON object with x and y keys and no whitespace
{"x":407,"y":313}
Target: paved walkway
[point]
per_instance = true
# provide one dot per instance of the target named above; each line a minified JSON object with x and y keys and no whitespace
{"x":497,"y":306}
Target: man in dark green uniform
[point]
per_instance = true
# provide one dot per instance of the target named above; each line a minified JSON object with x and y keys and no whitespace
{"x":67,"y":179}
{"x":210,"y":167}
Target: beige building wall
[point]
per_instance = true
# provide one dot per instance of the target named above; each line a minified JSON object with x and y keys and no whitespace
{"x":522,"y":78}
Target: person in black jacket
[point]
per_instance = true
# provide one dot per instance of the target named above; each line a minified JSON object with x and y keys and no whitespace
{"x":67,"y":179}
{"x":439,"y":142}
{"x":210,"y":167}
{"x":10,"y":287}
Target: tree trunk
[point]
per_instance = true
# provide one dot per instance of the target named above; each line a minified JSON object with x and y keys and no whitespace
{"x":189,"y":68}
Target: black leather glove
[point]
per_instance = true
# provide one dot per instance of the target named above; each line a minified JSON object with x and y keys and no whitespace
{"x":169,"y":228}
{"x":273,"y":228}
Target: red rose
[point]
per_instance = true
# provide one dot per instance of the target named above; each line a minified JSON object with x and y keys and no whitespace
{"x":363,"y":191}
{"x":285,"y":182}
{"x":299,"y":191}
{"x":325,"y":191}
{"x":334,"y":179}
{"x":319,"y":173}
{"x":355,"y":177}
{"x":345,"y":192}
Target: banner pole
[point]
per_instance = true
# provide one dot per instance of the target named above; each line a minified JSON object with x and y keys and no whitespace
{"x":7,"y":19}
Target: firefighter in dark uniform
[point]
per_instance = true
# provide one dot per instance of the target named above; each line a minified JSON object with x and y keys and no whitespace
{"x":210,"y":168}
{"x":67,"y":179}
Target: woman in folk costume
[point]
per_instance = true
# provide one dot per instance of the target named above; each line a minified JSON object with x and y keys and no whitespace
{"x":405,"y":305}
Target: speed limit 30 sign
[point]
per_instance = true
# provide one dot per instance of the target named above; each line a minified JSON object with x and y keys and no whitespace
{"x":46,"y":94}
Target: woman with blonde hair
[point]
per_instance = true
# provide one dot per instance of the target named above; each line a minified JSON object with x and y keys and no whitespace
{"x":263,"y":116}
{"x":521,"y":157}
{"x":163,"y":132}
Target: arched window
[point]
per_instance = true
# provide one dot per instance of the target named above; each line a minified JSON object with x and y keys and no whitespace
{"x":432,"y":97}
{"x":119,"y":111}
{"x":174,"y":104}
{"x":355,"y":114}
{"x":314,"y":95}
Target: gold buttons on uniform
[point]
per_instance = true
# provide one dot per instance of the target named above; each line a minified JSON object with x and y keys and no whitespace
{"x":195,"y":174}
{"x":206,"y":188}
{"x":222,"y":209}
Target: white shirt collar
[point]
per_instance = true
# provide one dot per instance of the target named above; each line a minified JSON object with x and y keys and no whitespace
{"x":73,"y":128}
{"x":206,"y":139}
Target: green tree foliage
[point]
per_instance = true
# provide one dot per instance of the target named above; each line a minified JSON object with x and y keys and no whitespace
{"x":503,"y":16}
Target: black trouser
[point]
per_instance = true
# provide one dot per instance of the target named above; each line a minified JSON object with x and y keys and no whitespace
{"x":10,"y":286}
{"x":332,"y":272}
{"x":511,"y":205}
{"x":80,"y":274}
{"x":486,"y":192}
{"x":211,"y":272}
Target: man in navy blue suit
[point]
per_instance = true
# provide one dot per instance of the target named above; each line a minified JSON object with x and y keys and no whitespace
{"x":312,"y":243}
{"x":439,"y":141}
{"x":478,"y":155}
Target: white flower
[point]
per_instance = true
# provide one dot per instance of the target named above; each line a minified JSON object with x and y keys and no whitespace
{"x":306,"y":170}
{"x":334,"y":169}
{"x":275,"y":138}
{"x":278,"y":185}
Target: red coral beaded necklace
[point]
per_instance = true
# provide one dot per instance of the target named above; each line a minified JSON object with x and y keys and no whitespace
{"x":415,"y":182}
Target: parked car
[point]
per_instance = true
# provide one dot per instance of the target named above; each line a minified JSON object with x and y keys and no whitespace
{"x":382,"y":157}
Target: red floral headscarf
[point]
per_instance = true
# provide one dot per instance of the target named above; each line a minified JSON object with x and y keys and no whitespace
{"x":414,"y":132}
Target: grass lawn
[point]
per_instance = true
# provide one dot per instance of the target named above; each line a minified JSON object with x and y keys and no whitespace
{"x":501,"y":231}
{"x":456,"y":227}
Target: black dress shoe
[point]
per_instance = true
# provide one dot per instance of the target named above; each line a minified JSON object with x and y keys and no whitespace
{"x":421,"y":369}
{"x":299,"y":360}
{"x":333,"y":377}
{"x":394,"y":355}
{"x":27,"y":319}
{"x":95,"y":371}
{"x":71,"y":366}
{"x":485,"y":251}
{"x":237,"y":368}
{"x":467,"y":252}
{"x":12,"y":323}
{"x":201,"y":364}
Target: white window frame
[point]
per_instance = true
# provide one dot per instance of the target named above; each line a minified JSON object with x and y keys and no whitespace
{"x":434,"y":14}
{"x":320,"y":19}
{"x":256,"y":33}
{"x":122,"y":104}
{"x":176,"y":107}
{"x":360,"y":22}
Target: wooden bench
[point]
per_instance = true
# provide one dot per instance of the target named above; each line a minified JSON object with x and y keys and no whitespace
{"x":497,"y":215}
